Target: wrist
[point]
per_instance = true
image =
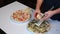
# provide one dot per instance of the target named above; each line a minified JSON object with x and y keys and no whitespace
{"x":57,"y":11}
{"x":38,"y":10}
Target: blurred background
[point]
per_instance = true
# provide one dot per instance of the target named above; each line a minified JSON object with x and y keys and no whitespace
{"x":30,"y":3}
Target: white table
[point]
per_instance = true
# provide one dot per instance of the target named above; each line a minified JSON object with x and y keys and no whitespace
{"x":14,"y":28}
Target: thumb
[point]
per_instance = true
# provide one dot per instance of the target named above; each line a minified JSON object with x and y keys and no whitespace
{"x":44,"y":17}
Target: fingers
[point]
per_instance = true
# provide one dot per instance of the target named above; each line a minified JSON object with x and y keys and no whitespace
{"x":45,"y":17}
{"x":35,"y":14}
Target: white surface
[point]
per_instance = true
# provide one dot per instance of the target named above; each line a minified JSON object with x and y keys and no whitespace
{"x":14,"y":28}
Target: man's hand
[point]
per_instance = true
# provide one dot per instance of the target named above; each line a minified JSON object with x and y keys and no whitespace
{"x":35,"y":14}
{"x":48,"y":14}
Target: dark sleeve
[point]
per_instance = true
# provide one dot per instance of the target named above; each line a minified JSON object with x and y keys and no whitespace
{"x":56,"y":17}
{"x":46,"y":5}
{"x":57,"y":3}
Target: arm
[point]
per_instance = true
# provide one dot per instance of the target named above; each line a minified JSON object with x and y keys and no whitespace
{"x":37,"y":10}
{"x":57,"y":11}
{"x":38,"y":5}
{"x":49,"y":14}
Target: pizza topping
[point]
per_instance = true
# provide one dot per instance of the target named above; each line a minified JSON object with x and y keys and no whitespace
{"x":20,"y":16}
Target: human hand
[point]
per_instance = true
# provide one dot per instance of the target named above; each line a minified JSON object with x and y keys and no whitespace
{"x":36,"y":13}
{"x":47,"y":14}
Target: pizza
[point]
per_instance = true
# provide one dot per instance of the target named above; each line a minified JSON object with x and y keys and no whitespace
{"x":20,"y":16}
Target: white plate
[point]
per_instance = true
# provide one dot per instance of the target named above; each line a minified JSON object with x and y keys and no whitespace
{"x":21,"y":22}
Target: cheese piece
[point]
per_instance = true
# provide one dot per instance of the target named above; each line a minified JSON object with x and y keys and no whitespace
{"x":38,"y":16}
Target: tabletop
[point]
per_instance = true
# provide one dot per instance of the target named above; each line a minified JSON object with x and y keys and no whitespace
{"x":11,"y":27}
